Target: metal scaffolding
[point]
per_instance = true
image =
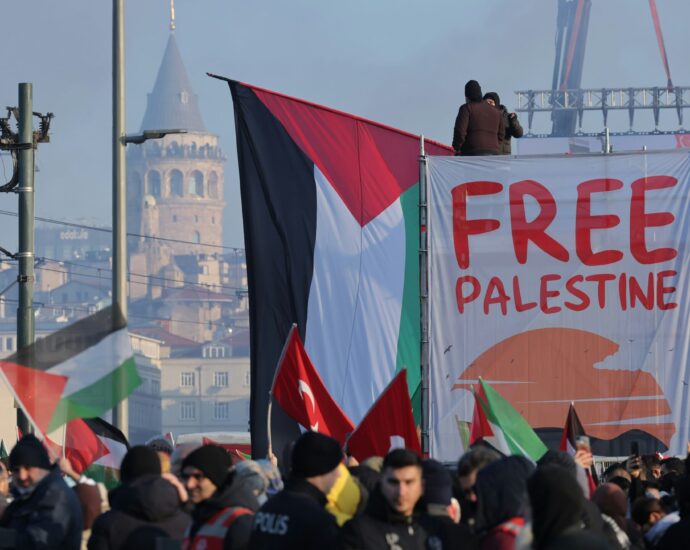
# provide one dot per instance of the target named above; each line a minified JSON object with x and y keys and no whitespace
{"x":605,"y":100}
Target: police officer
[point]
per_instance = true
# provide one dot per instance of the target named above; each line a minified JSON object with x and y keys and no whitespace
{"x":296,"y":517}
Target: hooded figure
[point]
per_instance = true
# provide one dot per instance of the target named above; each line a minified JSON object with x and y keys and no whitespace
{"x":501,"y":489}
{"x":144,"y":509}
{"x":557,"y":508}
{"x":478,"y":127}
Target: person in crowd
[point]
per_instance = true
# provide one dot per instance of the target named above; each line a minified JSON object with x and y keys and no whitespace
{"x":347,"y":497}
{"x":557,"y":504}
{"x":501,"y":490}
{"x":89,"y":495}
{"x":646,"y":512}
{"x":478,"y":127}
{"x":677,"y":536}
{"x":368,"y":472}
{"x":164,"y":449}
{"x":144,"y":509}
{"x":45,"y":511}
{"x":395,"y":515}
{"x":439,"y":503}
{"x":612,"y":502}
{"x":512,"y":126}
{"x":652,"y":465}
{"x":296,"y":517}
{"x":469,"y":465}
{"x":251,"y":474}
{"x":4,"y":487}
{"x":181,"y":451}
{"x":672,"y":464}
{"x":224,"y":505}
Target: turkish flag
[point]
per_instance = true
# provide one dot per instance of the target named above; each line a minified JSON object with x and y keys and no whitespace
{"x":301,"y":393}
{"x":388,"y":424}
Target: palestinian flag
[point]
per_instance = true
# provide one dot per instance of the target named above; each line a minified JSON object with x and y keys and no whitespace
{"x":331,"y":226}
{"x":572,"y":431}
{"x":81,"y":445}
{"x":3,"y":450}
{"x":107,"y":467}
{"x":80,"y":371}
{"x":503,"y":427}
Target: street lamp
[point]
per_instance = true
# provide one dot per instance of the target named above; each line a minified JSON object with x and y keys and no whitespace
{"x":120,"y":141}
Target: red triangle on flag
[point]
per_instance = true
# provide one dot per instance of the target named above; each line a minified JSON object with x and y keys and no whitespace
{"x":572,"y":430}
{"x":480,"y":427}
{"x":82,"y":446}
{"x":301,"y":393}
{"x":388,"y":424}
{"x":38,"y":392}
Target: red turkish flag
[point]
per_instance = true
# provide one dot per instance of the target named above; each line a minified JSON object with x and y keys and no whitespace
{"x":301,"y":393}
{"x":388,"y":424}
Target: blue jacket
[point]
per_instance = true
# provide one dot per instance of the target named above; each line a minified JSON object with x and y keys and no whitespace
{"x":48,"y":518}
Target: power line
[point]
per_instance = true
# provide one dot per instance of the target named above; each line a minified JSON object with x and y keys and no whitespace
{"x":136,"y":235}
{"x":87,"y":310}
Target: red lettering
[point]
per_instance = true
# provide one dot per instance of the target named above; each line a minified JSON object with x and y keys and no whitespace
{"x":661,"y":290}
{"x":637,"y":294}
{"x":501,"y":297}
{"x":623,"y":291}
{"x":466,"y":299}
{"x":545,"y":294}
{"x":535,"y":231}
{"x":462,"y":227}
{"x":585,"y":222}
{"x":639,"y":220}
{"x":520,"y":306}
{"x":577,"y":293}
{"x":600,"y":279}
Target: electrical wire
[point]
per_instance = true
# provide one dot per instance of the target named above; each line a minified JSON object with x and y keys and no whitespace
{"x":136,"y":235}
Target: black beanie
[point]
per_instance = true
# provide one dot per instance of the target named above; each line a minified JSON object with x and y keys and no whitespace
{"x":473,"y":91}
{"x":29,"y":452}
{"x":315,"y":454}
{"x":139,"y":461}
{"x":212,"y":460}
{"x":438,"y":485}
{"x":494,"y":97}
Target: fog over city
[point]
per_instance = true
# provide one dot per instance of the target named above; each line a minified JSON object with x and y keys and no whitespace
{"x":397,"y":62}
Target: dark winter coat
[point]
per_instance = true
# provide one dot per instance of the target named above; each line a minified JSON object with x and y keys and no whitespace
{"x":48,"y":518}
{"x":295,"y":518}
{"x":513,"y":129}
{"x":478,"y":129}
{"x":230,"y":495}
{"x":141,"y":512}
{"x":381,"y":527}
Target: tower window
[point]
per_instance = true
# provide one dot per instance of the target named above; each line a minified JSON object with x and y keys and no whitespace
{"x":195,"y":184}
{"x":197,"y":237}
{"x":213,"y":185}
{"x":154,"y":183}
{"x":196,"y":219}
{"x":174,"y":218}
{"x":176,"y":183}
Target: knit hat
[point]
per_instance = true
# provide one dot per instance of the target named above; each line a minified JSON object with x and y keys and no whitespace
{"x":494,"y":97}
{"x":160,"y":444}
{"x":212,"y":460}
{"x":29,"y":452}
{"x":438,"y":485}
{"x":473,"y":91}
{"x":315,"y":454}
{"x":139,"y":461}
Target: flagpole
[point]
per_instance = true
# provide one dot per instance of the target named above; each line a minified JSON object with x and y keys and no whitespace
{"x":423,"y":297}
{"x":270,"y":393}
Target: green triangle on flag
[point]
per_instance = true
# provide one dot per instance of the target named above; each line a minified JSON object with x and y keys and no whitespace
{"x":513,"y":435}
{"x":3,"y":449}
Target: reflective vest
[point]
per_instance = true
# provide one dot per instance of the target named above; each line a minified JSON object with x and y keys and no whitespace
{"x":211,"y":535}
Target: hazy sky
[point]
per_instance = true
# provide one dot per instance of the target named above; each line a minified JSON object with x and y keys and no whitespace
{"x":400,"y":62}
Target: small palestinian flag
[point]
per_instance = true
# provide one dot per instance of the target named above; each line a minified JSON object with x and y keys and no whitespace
{"x":573,"y":431}
{"x":106,"y":468}
{"x":80,"y":371}
{"x":3,"y":450}
{"x":510,"y":432}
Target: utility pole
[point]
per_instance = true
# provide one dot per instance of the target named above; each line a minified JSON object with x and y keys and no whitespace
{"x":25,"y":255}
{"x":120,"y":411}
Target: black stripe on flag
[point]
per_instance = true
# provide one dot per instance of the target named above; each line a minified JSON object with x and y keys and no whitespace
{"x":103,"y":429}
{"x":71,"y":340}
{"x":279,"y":211}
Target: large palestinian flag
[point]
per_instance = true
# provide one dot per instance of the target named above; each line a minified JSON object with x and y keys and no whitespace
{"x":80,"y":371}
{"x":331,"y":225}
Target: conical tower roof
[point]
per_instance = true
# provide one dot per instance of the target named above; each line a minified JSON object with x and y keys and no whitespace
{"x":172,"y":103}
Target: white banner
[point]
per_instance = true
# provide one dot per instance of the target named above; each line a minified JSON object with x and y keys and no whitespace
{"x":560,"y":280}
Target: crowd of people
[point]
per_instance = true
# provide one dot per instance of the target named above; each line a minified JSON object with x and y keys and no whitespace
{"x":484,"y":126}
{"x":194,"y":497}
